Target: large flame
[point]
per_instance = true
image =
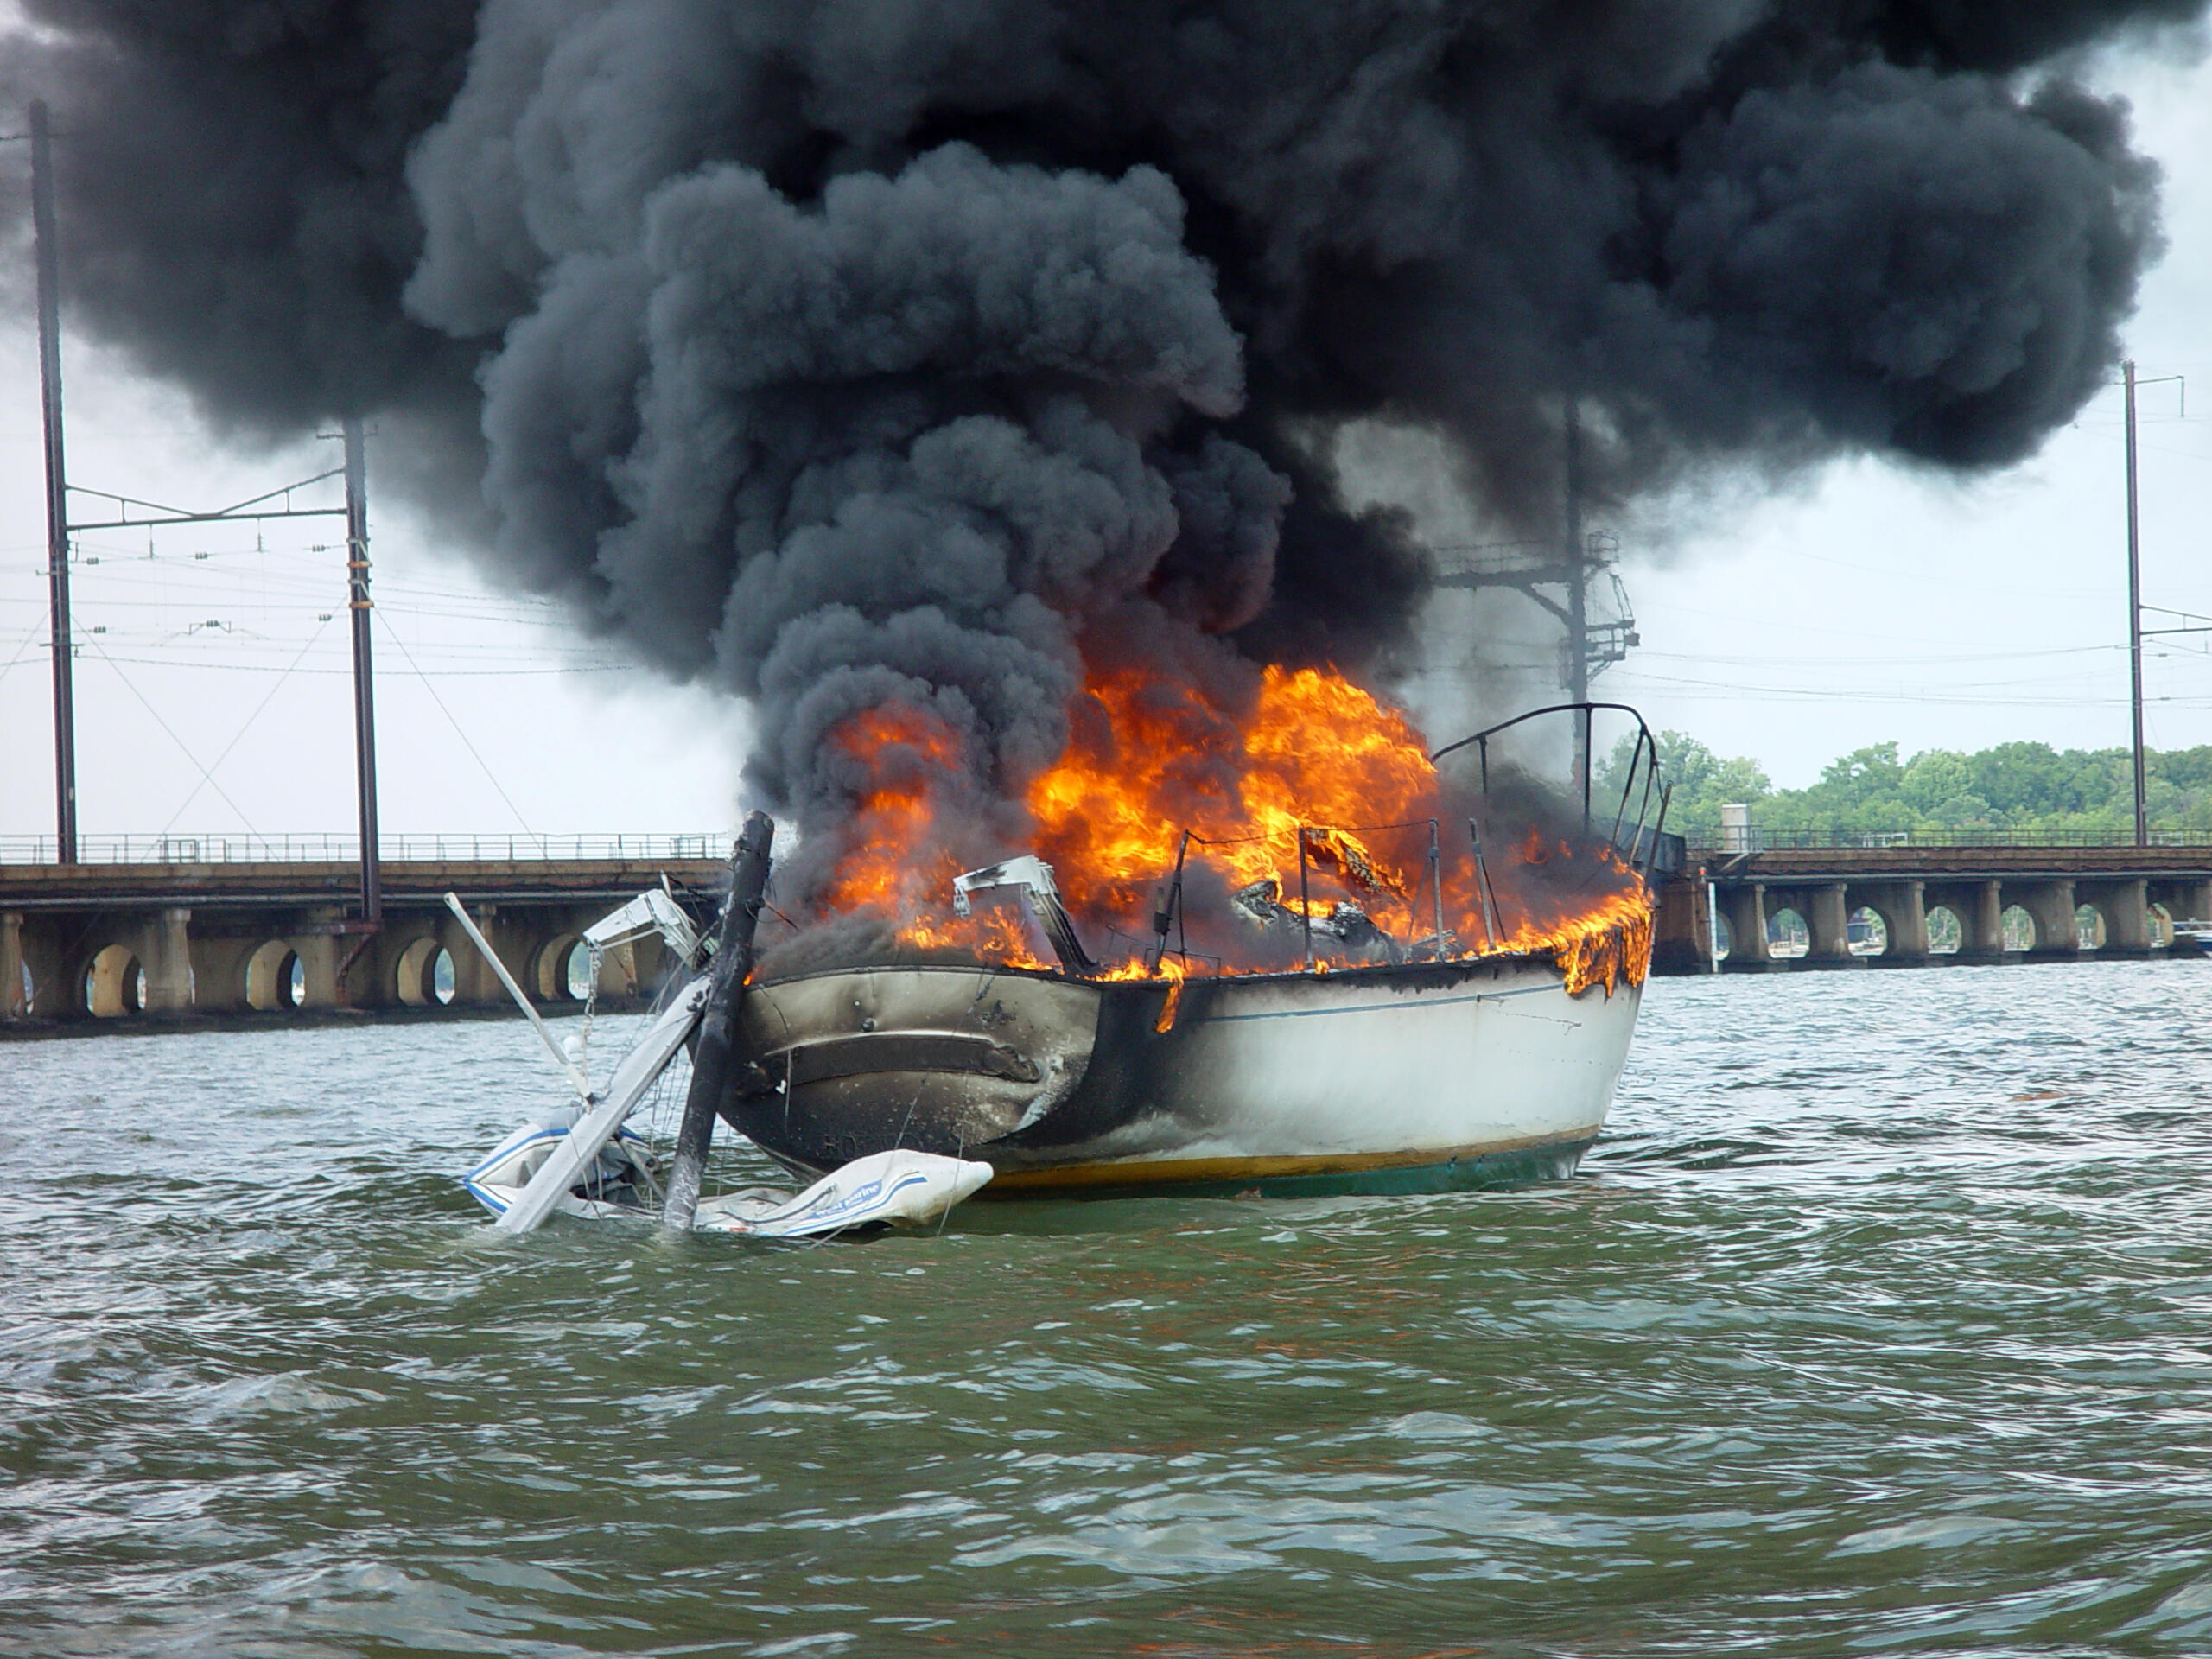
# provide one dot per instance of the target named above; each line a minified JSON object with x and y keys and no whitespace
{"x":1316,"y":766}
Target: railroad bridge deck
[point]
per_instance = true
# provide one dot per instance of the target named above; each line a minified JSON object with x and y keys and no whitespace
{"x":1990,"y":903}
{"x":178,"y":935}
{"x":83,"y":942}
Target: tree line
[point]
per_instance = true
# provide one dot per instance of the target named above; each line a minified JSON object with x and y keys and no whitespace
{"x":2012,"y":790}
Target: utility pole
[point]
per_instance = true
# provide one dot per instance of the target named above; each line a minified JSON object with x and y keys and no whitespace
{"x":2136,"y":631}
{"x":57,"y":488}
{"x":2134,"y":609}
{"x":1553,"y":572}
{"x":365,"y":715}
{"x":135,"y":515}
{"x":132,"y":514}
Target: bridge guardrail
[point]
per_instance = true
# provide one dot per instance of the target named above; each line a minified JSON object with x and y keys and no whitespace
{"x":313,"y":849}
{"x":1762,"y":840}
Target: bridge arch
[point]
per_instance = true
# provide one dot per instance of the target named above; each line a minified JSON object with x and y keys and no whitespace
{"x":2018,"y":929}
{"x":410,"y":974}
{"x":1947,"y":932}
{"x":273,"y":976}
{"x":1786,"y":935}
{"x":115,"y":983}
{"x":553,"y":971}
{"x":1868,"y":931}
{"x":2092,"y":928}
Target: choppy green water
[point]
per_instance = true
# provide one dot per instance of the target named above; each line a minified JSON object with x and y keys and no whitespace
{"x":1879,"y":1322}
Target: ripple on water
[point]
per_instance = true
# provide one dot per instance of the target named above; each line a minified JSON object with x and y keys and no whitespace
{"x":1879,"y":1323}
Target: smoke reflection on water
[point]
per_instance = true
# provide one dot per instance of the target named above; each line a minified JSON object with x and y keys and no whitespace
{"x":1877,"y":1323}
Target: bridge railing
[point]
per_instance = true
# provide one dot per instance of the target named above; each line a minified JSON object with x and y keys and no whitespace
{"x":313,"y":849}
{"x":1760,"y":840}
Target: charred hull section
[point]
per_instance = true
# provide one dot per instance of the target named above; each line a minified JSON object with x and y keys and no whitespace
{"x":1402,"y":1076}
{"x":921,"y":1056}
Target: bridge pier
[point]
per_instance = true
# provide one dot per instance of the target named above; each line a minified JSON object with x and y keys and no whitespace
{"x":12,"y":969}
{"x":392,"y":970}
{"x":2050,"y":905}
{"x":2126,"y":907}
{"x":2181,"y":900}
{"x":1681,"y":941}
{"x":1902,"y":907}
{"x":165,"y":955}
{"x":1987,"y":937}
{"x":317,"y":946}
{"x":1746,"y":909}
{"x":1827,"y":910}
{"x":1989,"y":921}
{"x":475,"y":984}
{"x":534,"y":946}
{"x":219,"y":969}
{"x":38,"y":952}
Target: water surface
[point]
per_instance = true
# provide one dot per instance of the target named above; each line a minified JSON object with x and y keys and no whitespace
{"x":1879,"y":1323}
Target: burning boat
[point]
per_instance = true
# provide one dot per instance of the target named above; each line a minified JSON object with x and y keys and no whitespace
{"x":1399,"y":1019}
{"x":1425,"y":1020}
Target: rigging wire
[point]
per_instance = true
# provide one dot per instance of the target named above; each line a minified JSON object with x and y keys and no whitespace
{"x":182,"y":747}
{"x":242,"y":730}
{"x":394,"y":635}
{"x":29,"y":634}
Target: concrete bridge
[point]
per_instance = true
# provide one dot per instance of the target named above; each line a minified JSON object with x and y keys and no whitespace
{"x":187,"y":927}
{"x":111,"y":941}
{"x":1925,"y":906}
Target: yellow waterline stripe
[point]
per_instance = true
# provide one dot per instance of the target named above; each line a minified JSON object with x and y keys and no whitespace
{"x":1140,"y":1171}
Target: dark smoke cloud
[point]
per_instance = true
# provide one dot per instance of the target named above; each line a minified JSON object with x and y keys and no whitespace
{"x":847,"y":355}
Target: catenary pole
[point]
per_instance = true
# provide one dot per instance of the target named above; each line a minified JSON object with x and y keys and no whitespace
{"x":365,"y":713}
{"x":57,"y":488}
{"x":2134,"y":610}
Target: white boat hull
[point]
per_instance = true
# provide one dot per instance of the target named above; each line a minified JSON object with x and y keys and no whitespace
{"x":1434,"y":1075}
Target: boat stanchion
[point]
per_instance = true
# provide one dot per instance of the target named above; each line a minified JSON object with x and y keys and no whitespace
{"x":1305,"y":900}
{"x":1486,"y":895}
{"x":1436,"y":885}
{"x":710,"y":1057}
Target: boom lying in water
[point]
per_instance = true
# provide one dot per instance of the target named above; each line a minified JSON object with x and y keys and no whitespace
{"x":584,"y":1161}
{"x":624,"y":1182}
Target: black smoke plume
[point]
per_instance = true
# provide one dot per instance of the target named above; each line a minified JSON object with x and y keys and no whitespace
{"x":870,"y":354}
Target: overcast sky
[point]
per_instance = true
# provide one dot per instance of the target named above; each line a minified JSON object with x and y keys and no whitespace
{"x":1871,"y":604}
{"x":1880,"y":604}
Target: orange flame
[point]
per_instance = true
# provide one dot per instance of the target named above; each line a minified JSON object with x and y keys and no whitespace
{"x":895,"y":866}
{"x":1313,"y":759}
